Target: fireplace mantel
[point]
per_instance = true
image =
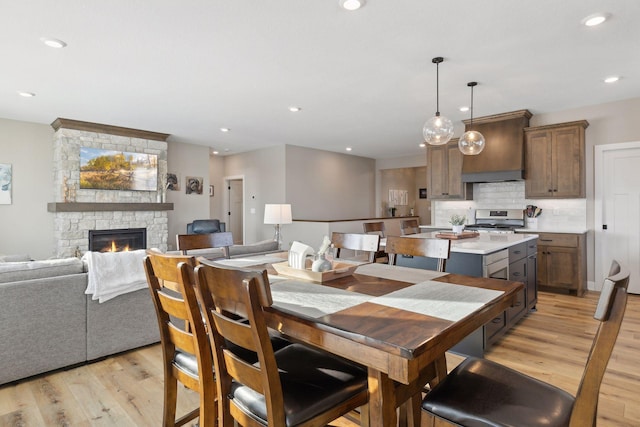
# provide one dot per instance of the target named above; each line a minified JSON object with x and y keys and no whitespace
{"x":106,"y":207}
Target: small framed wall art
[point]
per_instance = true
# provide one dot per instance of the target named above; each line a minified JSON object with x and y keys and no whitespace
{"x":5,"y":184}
{"x":422,"y":193}
{"x":194,"y":185}
{"x":173,"y":181}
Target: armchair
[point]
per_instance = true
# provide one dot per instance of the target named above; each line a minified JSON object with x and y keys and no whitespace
{"x":205,"y":226}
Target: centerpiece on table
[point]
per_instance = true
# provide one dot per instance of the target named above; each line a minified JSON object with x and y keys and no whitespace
{"x":320,"y":270}
{"x":320,"y":262}
{"x":457,"y":223}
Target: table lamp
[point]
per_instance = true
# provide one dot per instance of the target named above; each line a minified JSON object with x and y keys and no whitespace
{"x":277,"y":215}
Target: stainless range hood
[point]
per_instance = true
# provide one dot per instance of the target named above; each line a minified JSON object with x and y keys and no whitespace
{"x":503,"y":156}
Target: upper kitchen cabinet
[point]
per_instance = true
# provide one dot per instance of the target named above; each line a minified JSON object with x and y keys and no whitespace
{"x":444,"y":173}
{"x":554,"y":157}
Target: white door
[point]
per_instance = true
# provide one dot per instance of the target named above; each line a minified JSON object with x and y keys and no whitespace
{"x":617,"y":210}
{"x":235,"y":214}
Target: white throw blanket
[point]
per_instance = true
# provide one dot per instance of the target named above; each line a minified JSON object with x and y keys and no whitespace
{"x":114,"y":273}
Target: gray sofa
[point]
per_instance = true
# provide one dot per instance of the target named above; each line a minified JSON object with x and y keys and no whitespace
{"x":47,"y":322}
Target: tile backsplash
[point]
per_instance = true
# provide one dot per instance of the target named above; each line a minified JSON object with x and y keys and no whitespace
{"x":556,"y":213}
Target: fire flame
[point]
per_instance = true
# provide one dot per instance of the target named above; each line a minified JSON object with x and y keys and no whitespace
{"x":114,"y":248}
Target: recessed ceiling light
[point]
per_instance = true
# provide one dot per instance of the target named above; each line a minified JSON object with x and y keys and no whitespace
{"x":294,"y":109}
{"x":422,"y":145}
{"x":214,"y":152}
{"x":464,"y":109}
{"x":26,"y":94}
{"x":224,"y":130}
{"x":351,"y":4}
{"x":595,"y":19}
{"x":55,"y":43}
{"x":348,"y":148}
{"x":611,"y":79}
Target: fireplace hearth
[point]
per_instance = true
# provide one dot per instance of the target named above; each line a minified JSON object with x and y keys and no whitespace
{"x":117,"y":240}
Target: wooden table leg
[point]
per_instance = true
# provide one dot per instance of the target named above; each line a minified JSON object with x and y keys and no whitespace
{"x":382,"y":400}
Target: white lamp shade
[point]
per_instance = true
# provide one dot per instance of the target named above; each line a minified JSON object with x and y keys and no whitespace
{"x":277,"y":214}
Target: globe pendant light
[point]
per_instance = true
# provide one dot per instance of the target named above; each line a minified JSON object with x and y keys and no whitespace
{"x":438,"y":130}
{"x":471,"y":142}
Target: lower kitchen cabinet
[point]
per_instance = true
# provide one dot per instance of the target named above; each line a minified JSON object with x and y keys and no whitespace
{"x":562,"y":263}
{"x":519,"y":271}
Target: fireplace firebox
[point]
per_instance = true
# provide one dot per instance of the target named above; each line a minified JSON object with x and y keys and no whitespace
{"x":117,"y":240}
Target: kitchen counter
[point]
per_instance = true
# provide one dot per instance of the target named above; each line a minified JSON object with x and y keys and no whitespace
{"x":484,"y":244}
{"x":552,"y":230}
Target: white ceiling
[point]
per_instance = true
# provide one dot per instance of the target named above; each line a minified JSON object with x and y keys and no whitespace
{"x":364,"y":79}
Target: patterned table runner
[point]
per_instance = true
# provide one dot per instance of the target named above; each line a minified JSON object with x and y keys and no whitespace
{"x":313,"y":300}
{"x":443,"y":300}
{"x":402,"y":274}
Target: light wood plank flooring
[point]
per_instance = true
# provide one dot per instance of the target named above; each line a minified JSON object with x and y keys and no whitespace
{"x":126,"y":390}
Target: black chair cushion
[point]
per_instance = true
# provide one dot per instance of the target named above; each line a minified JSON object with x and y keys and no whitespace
{"x":205,"y":226}
{"x":312,"y":382}
{"x":479,"y":392}
{"x":186,"y":362}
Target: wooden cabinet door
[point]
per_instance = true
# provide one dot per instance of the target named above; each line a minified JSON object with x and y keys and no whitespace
{"x":538,"y":182}
{"x":568,"y":162}
{"x":437,"y":185}
{"x":455,"y":187}
{"x":562,"y":267}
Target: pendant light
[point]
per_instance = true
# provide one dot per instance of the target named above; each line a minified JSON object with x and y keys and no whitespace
{"x":471,"y":142}
{"x":438,"y":130}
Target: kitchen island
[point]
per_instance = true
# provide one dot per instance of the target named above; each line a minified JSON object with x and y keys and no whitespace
{"x":496,"y":255}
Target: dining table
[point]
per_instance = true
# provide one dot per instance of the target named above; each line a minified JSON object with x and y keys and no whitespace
{"x":398,"y":322}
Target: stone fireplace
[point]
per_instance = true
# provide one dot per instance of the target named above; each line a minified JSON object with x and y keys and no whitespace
{"x":77,"y":211}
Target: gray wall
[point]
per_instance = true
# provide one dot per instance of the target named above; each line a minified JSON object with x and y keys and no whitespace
{"x":187,"y":160}
{"x":324,"y":185}
{"x":263,"y":172}
{"x":25,"y":225}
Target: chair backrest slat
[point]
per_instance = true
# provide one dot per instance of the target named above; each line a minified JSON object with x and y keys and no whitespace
{"x":418,"y":246}
{"x":374,"y":228}
{"x":356,"y":242}
{"x":409,"y":226}
{"x":221,"y":240}
{"x":610,"y":311}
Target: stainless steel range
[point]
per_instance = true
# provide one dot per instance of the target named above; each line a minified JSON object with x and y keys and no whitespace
{"x":497,"y":220}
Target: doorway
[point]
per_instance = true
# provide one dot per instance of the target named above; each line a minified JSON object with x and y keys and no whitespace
{"x":235,"y":208}
{"x":617,"y":209}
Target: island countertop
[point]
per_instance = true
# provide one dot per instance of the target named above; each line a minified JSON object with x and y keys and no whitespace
{"x":485,"y":243}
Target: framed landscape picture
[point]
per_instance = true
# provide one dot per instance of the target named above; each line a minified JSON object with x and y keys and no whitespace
{"x":117,"y":170}
{"x":5,"y":184}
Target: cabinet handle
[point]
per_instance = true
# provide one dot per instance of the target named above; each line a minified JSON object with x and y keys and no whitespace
{"x":516,"y":273}
{"x":517,"y":252}
{"x":555,"y":190}
{"x":496,"y":320}
{"x":546,"y":240}
{"x":550,"y":190}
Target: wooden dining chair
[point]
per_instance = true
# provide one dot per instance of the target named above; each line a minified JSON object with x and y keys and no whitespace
{"x":409,"y":226}
{"x":222,"y":240}
{"x":368,"y":243}
{"x":479,"y":392}
{"x":376,"y":227}
{"x":187,"y":357}
{"x":417,"y":246}
{"x":294,"y":386}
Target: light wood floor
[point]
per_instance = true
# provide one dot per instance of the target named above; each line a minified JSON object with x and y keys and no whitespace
{"x":551,"y":344}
